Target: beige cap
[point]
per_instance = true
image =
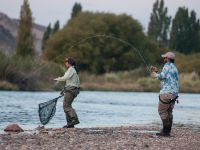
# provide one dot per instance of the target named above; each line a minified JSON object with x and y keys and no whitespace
{"x":169,"y":55}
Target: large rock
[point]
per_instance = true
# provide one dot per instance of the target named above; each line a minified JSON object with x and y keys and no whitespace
{"x":13,"y":128}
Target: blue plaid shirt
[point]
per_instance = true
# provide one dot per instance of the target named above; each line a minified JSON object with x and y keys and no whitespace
{"x":169,"y":79}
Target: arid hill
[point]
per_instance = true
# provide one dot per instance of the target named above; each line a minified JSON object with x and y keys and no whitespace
{"x":8,"y":34}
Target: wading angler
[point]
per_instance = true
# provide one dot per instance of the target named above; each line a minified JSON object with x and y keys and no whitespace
{"x":70,"y":91}
{"x":168,"y":92}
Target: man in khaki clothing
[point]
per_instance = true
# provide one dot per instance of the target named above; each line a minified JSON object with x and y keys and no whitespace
{"x":70,"y":91}
{"x":168,"y":92}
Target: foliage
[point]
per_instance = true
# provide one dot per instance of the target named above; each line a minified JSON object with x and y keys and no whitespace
{"x":46,"y":36}
{"x":158,"y":29}
{"x":119,"y":81}
{"x":19,"y":73}
{"x":56,"y":27}
{"x":49,"y":31}
{"x":4,"y":62}
{"x":189,"y":82}
{"x":122,"y":48}
{"x":4,"y":85}
{"x":188,"y":63}
{"x":77,"y":8}
{"x":24,"y":37}
{"x":28,"y":73}
{"x":185,"y":32}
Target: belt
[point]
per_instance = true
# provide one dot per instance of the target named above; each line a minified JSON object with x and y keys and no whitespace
{"x":171,"y":100}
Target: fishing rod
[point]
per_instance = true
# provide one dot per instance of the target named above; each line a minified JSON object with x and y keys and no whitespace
{"x":119,"y":39}
{"x":47,"y":109}
{"x":105,"y":36}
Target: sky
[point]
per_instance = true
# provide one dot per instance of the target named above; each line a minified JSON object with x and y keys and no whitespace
{"x":49,"y":11}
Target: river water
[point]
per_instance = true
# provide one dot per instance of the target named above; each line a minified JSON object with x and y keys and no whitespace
{"x":95,"y":109}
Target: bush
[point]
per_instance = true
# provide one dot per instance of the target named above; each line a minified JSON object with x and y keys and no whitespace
{"x":188,"y":63}
{"x":29,"y":73}
{"x":122,"y":48}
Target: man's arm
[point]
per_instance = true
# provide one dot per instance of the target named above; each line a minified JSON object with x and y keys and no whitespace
{"x":163,"y":74}
{"x":66,"y":76}
{"x":160,"y":76}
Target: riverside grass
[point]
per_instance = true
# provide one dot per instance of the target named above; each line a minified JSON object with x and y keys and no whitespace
{"x":30,"y":74}
{"x":122,"y":81}
{"x":189,"y":83}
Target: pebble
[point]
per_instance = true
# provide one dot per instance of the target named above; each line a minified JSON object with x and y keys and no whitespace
{"x":133,"y":137}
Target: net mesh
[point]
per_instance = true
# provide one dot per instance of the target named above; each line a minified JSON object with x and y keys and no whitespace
{"x":47,"y":110}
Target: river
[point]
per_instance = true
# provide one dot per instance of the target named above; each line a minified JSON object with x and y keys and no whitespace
{"x":95,"y":109}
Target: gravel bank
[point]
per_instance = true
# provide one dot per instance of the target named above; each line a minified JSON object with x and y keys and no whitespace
{"x":116,"y":138}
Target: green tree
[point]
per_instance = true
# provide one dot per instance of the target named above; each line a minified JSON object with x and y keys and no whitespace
{"x":158,"y":29}
{"x":184,"y":35}
{"x":24,"y":37}
{"x":77,"y":8}
{"x":56,"y":27}
{"x":194,"y":32}
{"x":199,"y":39}
{"x":46,"y":36}
{"x":49,"y":31}
{"x":79,"y":39}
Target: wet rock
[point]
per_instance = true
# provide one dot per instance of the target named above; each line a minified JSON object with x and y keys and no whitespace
{"x":13,"y":128}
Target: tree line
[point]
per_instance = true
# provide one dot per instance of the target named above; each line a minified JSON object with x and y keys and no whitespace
{"x":184,"y":34}
{"x":102,"y":54}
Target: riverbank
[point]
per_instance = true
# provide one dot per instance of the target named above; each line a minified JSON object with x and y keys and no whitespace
{"x":132,"y":81}
{"x":122,"y":81}
{"x":35,"y":74}
{"x":185,"y":137}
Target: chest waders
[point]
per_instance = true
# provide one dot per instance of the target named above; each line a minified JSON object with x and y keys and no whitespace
{"x":165,"y":109}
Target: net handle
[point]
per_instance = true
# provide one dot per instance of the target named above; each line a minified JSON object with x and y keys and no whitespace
{"x":58,"y":97}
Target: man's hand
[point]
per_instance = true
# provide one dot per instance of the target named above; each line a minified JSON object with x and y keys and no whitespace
{"x":153,"y":69}
{"x":62,"y":92}
{"x":56,"y":79}
{"x":153,"y":74}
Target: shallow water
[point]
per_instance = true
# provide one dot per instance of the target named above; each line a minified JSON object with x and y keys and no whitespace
{"x":95,"y":109}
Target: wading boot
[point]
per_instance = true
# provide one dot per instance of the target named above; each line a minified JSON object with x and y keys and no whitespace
{"x":165,"y":131}
{"x":71,"y":124}
{"x":71,"y":121}
{"x":68,"y":126}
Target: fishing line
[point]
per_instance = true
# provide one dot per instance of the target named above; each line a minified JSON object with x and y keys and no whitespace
{"x":105,"y":36}
{"x":119,"y":39}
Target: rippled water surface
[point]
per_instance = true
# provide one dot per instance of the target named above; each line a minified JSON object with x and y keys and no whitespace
{"x":95,"y":109}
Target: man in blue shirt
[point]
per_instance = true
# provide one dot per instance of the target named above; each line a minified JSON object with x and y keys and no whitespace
{"x":168,"y":92}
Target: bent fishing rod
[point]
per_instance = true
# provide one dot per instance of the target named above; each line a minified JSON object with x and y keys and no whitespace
{"x":119,"y":39}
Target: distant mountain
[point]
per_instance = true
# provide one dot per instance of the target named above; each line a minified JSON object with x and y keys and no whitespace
{"x":7,"y":41}
{"x":8,"y":34}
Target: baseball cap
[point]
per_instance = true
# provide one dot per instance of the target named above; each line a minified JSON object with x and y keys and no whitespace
{"x":169,"y":55}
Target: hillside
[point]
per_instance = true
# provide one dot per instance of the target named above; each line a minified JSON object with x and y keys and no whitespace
{"x":8,"y":34}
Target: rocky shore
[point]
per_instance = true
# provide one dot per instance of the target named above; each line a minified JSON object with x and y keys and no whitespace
{"x":104,"y":138}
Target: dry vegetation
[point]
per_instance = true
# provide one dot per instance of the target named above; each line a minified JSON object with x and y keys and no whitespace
{"x":189,"y":82}
{"x":37,"y":74}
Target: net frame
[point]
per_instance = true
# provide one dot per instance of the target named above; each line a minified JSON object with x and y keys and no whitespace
{"x":47,"y":110}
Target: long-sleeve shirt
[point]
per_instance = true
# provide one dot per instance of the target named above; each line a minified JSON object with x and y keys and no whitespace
{"x":169,"y":79}
{"x":71,"y":77}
